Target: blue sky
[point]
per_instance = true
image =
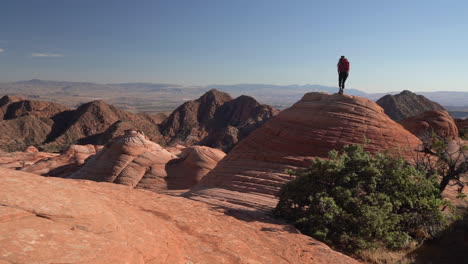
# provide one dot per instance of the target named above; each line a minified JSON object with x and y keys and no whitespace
{"x":392,"y":45}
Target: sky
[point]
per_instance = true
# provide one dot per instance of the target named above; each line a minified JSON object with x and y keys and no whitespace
{"x":391,"y":45}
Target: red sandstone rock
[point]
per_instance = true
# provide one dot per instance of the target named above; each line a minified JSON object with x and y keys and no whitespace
{"x":31,"y":149}
{"x":192,"y":165}
{"x":439,"y":122}
{"x":175,"y":149}
{"x":252,"y":173}
{"x":131,"y":160}
{"x":19,"y":160}
{"x":53,"y":220}
{"x":63,"y":165}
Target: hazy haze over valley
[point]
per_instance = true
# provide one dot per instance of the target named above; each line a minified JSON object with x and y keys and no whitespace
{"x":160,"y":97}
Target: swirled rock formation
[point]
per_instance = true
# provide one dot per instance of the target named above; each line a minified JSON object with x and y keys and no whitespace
{"x":53,"y":220}
{"x":439,"y":122}
{"x":192,"y":164}
{"x":252,"y":173}
{"x":132,"y":160}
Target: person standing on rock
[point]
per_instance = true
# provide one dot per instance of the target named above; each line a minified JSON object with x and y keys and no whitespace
{"x":343,"y":72}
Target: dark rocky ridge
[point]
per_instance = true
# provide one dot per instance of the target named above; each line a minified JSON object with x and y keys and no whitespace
{"x":215,"y":120}
{"x":53,"y":127}
{"x":406,"y":104}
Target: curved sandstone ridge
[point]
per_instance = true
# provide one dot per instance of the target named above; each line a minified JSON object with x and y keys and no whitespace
{"x":439,"y":122}
{"x":63,"y":165}
{"x":192,"y":165}
{"x":53,"y":220}
{"x":252,"y":173}
{"x":131,"y":160}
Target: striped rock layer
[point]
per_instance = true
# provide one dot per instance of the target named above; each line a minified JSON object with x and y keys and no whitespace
{"x":253,"y":172}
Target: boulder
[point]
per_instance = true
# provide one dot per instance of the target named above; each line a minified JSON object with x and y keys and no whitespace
{"x":439,"y":122}
{"x":192,"y":164}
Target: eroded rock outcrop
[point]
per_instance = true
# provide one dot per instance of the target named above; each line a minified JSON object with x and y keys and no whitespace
{"x":22,"y":159}
{"x":192,"y":164}
{"x":406,"y":104}
{"x":439,"y":122}
{"x":53,"y":220}
{"x":65,"y":164}
{"x":132,"y":160}
{"x":25,"y":123}
{"x":215,"y":120}
{"x":252,"y":173}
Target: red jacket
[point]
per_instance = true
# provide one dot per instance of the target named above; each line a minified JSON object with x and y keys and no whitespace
{"x":343,"y":65}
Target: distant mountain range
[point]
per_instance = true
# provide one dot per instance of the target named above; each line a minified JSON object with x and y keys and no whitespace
{"x":160,"y":97}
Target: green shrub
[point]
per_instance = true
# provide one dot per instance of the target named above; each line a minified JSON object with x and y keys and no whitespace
{"x":356,"y":201}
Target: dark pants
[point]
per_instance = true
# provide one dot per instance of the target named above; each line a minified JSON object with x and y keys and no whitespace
{"x":342,"y":79}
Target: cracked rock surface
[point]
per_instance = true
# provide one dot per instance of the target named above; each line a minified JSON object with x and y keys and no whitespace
{"x":54,"y":220}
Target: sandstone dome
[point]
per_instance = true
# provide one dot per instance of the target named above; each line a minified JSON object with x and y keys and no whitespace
{"x":439,"y":122}
{"x":192,"y":164}
{"x":132,"y":160}
{"x":252,"y":173}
